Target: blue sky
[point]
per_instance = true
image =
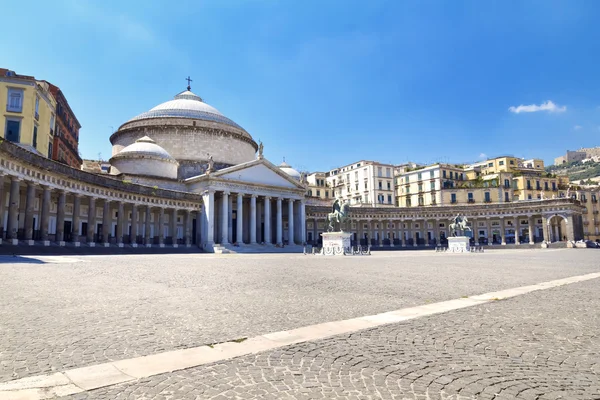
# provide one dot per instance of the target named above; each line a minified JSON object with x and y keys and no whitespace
{"x":391,"y":81}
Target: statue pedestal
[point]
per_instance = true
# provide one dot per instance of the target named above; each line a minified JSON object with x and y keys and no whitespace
{"x":459,"y":244}
{"x":336,"y":243}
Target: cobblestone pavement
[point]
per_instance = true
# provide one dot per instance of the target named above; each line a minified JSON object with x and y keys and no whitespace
{"x":543,"y":345}
{"x":59,"y":315}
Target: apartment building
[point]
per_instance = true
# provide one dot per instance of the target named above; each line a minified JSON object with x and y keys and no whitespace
{"x":364,"y":183}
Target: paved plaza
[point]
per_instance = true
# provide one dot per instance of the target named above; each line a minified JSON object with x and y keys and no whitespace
{"x":61,"y":313}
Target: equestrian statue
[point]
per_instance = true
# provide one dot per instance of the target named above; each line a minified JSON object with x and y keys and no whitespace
{"x":340,"y":214}
{"x":459,"y":225}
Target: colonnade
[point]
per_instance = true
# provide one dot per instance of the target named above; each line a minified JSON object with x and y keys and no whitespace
{"x":76,"y":218}
{"x":247,"y":219}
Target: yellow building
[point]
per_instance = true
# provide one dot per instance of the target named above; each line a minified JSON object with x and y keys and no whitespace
{"x":318,"y":187}
{"x":27,"y":112}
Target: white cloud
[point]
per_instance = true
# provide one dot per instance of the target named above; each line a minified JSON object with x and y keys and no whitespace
{"x":577,"y":127}
{"x":482,"y":155}
{"x":547,"y":106}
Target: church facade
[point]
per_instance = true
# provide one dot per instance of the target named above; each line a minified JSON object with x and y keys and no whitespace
{"x":183,"y":174}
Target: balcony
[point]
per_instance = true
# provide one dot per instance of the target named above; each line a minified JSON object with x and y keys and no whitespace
{"x":471,"y":201}
{"x":13,"y":109}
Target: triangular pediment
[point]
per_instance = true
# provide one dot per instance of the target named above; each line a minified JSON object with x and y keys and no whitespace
{"x":258,"y":174}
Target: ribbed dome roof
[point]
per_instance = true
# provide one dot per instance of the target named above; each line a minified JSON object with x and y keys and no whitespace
{"x":287,"y":168}
{"x":144,"y":146}
{"x":187,"y":105}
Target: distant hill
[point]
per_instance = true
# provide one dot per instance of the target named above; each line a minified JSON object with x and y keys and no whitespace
{"x":578,"y":171}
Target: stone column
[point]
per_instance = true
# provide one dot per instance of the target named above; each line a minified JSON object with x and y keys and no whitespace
{"x":91,"y":222}
{"x":488,"y":227}
{"x":29,"y":210}
{"x":148,"y":224}
{"x":253,"y":219}
{"x":120,"y":223}
{"x":2,"y":205}
{"x":291,"y":222}
{"x":531,"y":221}
{"x":503,"y":231}
{"x":13,"y":211}
{"x":60,"y":218}
{"x":570,"y":227}
{"x":267,"y":207}
{"x":187,"y":228}
{"x":76,"y":219}
{"x":279,"y":223}
{"x":381,"y":233}
{"x":230,"y":238}
{"x":199,"y":226}
{"x":208,"y":216}
{"x":414,"y":233}
{"x":106,"y":222}
{"x":173,"y":219}
{"x":359,"y":230}
{"x":134,"y":225}
{"x":224,"y":219}
{"x":407,"y":234}
{"x":556,"y":225}
{"x":546,"y":228}
{"x":302,"y":214}
{"x":161,"y":227}
{"x":517,"y":231}
{"x":315,"y":232}
{"x":239,"y":226}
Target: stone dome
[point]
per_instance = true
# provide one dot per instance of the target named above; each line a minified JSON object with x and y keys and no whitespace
{"x":191,"y":132}
{"x":144,"y":157}
{"x":186,"y":105}
{"x":285,"y":167}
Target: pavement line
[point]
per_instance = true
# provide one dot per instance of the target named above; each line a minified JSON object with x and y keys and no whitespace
{"x":82,"y":379}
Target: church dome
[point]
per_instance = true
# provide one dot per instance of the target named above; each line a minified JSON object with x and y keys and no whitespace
{"x":285,"y":167}
{"x":145,"y":157}
{"x":186,"y":105}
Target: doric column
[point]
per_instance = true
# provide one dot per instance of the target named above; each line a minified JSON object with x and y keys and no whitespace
{"x":279,"y":223}
{"x":517,"y":231}
{"x":415,"y":230}
{"x":91,"y":220}
{"x":173,"y":220}
{"x":239,"y":226}
{"x":134,"y":225}
{"x":531,"y":222}
{"x":253,"y":219}
{"x":199,"y":226}
{"x":381,"y":232}
{"x":230,"y":238}
{"x":187,"y":228}
{"x":2,"y":204}
{"x":570,"y":227}
{"x":267,"y":207}
{"x":106,"y":219}
{"x":148,"y":224}
{"x":29,"y":210}
{"x":302,"y":214}
{"x":503,"y":231}
{"x":474,"y":232}
{"x":291,"y":222}
{"x":161,"y":227}
{"x":60,"y":218}
{"x":13,"y":210}
{"x":224,"y":218}
{"x":76,"y":219}
{"x":208,"y":226}
{"x":121,"y":218}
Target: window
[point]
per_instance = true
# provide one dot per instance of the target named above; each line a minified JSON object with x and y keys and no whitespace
{"x":389,"y":199}
{"x":37,"y":107}
{"x":490,"y":165}
{"x":528,"y":184}
{"x":488,"y":198}
{"x":507,"y":184}
{"x":500,"y":162}
{"x":431,"y":174}
{"x":388,"y":173}
{"x":419,"y":176}
{"x":537,"y":185}
{"x":528,"y":197}
{"x":420,"y":187}
{"x":12,"y":130}
{"x":379,"y":171}
{"x":408,"y":202}
{"x":408,"y":189}
{"x":380,"y":185}
{"x":389,"y":186}
{"x":451,"y":175}
{"x":421,"y":201}
{"x":512,"y":162}
{"x":453,"y":198}
{"x":327,"y":193}
{"x":35,"y":129}
{"x":432,"y":184}
{"x":444,"y":174}
{"x":546,"y":186}
{"x":506,"y":197}
{"x":50,"y":150}
{"x":470,"y":197}
{"x":15,"y":100}
{"x":318,"y":193}
{"x":553,"y":185}
{"x":310,"y":193}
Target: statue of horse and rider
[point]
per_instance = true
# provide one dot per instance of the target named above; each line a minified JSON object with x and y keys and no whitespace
{"x":340,"y":214}
{"x":459,"y":225}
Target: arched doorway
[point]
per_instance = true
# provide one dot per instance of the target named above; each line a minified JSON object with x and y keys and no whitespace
{"x":556,"y":226}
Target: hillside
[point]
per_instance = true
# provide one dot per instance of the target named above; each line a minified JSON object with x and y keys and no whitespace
{"x":578,"y":171}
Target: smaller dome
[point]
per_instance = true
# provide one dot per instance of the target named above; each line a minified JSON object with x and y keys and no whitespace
{"x":287,"y":168}
{"x":144,"y":157}
{"x":144,"y":146}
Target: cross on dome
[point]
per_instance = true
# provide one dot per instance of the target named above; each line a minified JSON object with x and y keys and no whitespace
{"x":188,"y":79}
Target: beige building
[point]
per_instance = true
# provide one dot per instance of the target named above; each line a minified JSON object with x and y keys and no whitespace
{"x":364,"y":183}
